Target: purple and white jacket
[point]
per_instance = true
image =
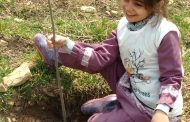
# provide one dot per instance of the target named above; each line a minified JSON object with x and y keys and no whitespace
{"x":150,"y":58}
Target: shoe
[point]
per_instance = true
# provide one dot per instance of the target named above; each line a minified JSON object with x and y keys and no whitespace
{"x":104,"y":104}
{"x":46,"y":54}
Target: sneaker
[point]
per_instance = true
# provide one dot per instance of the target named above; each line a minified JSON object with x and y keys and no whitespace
{"x":45,"y":53}
{"x":104,"y":104}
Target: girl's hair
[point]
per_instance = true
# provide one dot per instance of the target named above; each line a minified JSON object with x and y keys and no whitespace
{"x":153,"y":4}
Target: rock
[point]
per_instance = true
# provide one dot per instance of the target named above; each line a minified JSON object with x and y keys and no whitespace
{"x":117,"y":21}
{"x":108,"y":13}
{"x":187,"y":19}
{"x":29,"y":3}
{"x":3,"y":43}
{"x":14,"y":120}
{"x":88,"y":9}
{"x":114,"y":13}
{"x":18,"y":20}
{"x":8,"y":119}
{"x":3,"y":87}
{"x":19,"y":76}
{"x":11,"y":103}
{"x":171,"y":2}
{"x":29,"y":64}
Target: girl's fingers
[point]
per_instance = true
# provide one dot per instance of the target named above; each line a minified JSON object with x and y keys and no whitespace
{"x":50,"y":45}
{"x":49,"y":41}
{"x":50,"y":37}
{"x":58,"y":41}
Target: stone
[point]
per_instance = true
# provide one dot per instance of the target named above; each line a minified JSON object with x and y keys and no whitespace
{"x":11,"y":103}
{"x":3,"y":87}
{"x":14,"y":119}
{"x":88,"y":9}
{"x":29,"y":64}
{"x":187,"y":20}
{"x":19,"y":76}
{"x":114,"y":13}
{"x":108,"y":13}
{"x":8,"y":119}
{"x":18,"y":20}
{"x":171,"y":2}
{"x":29,"y":3}
{"x":3,"y":43}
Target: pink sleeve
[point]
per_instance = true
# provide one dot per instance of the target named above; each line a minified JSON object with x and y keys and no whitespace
{"x":92,"y":58}
{"x":171,"y":69}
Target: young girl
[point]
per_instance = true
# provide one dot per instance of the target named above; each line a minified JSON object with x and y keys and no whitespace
{"x":140,"y":60}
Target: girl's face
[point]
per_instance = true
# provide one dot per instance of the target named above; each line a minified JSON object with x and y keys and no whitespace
{"x":134,"y":10}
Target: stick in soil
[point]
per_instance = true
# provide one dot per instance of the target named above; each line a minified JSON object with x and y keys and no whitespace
{"x":56,"y":66}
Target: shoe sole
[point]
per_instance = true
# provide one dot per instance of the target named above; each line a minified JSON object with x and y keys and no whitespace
{"x":41,"y":54}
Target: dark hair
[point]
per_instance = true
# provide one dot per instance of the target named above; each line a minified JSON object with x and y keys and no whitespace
{"x":151,"y":5}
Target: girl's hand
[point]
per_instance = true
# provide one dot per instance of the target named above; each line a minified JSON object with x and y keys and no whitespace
{"x":60,"y":41}
{"x":160,"y":116}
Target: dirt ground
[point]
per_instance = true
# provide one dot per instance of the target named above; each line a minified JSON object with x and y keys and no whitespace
{"x":44,"y":112}
{"x":15,"y":51}
{"x":47,"y":110}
